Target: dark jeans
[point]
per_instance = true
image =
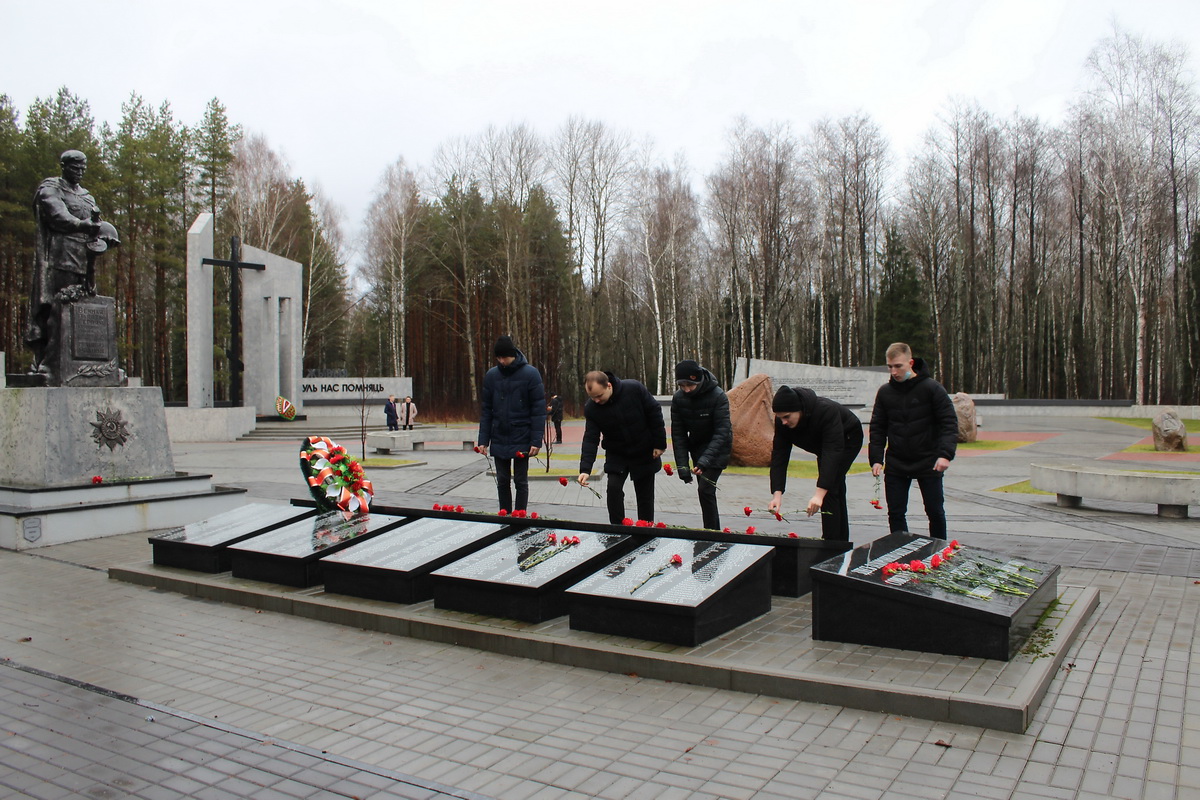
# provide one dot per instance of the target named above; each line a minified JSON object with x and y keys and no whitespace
{"x":520,"y":476}
{"x":643,"y":488}
{"x":835,"y":517}
{"x":392,"y":426}
{"x":558,"y":431}
{"x":707,"y":492}
{"x":896,"y":486}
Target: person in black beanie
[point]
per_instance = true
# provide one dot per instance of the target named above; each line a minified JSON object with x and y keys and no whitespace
{"x":834,"y":435}
{"x":512,"y":421}
{"x":701,"y":434}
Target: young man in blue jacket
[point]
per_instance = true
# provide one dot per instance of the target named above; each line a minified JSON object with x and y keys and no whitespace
{"x":914,"y":435}
{"x":512,"y":421}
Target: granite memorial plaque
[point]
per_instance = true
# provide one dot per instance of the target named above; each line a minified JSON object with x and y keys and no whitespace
{"x":523,"y":576}
{"x":791,"y":568}
{"x":395,"y":566}
{"x":89,"y":343}
{"x":291,"y":555}
{"x":202,"y":546}
{"x":675,"y":591}
{"x":919,"y":593}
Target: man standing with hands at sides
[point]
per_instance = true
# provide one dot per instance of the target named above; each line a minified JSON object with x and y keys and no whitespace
{"x":631,"y":423}
{"x":834,"y":435}
{"x":408,"y":414}
{"x":390,"y":413}
{"x":701,"y":430}
{"x":555,"y":409}
{"x":914,"y":435}
{"x":512,"y":421}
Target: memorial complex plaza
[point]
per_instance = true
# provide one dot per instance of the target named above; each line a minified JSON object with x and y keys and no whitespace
{"x":112,"y":689}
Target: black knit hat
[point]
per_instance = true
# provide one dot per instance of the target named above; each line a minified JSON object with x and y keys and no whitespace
{"x":505,"y":347}
{"x":688,"y":371}
{"x":786,"y":400}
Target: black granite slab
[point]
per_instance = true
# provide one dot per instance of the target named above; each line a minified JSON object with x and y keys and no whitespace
{"x":789,"y":569}
{"x":291,"y":555}
{"x":855,"y":601}
{"x":202,"y":546}
{"x":715,"y":587}
{"x":395,"y":566}
{"x":524,"y":575}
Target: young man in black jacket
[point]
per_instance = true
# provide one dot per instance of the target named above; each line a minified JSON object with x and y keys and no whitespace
{"x":834,"y":435}
{"x":631,"y":422}
{"x":700,"y":429}
{"x":914,"y":434}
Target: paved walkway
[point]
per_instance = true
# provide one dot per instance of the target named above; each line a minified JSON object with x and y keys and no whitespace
{"x":240,"y":695}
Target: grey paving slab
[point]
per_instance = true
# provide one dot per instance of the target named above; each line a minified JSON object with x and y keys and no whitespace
{"x":484,"y":718}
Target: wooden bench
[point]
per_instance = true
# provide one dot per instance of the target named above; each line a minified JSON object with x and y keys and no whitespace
{"x":387,"y":441}
{"x":1072,"y":482}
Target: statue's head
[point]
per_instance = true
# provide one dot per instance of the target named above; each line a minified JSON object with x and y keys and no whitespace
{"x":74,"y":164}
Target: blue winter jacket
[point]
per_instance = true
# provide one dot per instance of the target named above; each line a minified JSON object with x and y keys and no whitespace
{"x":513,"y":417}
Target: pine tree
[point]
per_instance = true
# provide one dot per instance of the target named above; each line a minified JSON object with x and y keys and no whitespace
{"x":902,"y":313}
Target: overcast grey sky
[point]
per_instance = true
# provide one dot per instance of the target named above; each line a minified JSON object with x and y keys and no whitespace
{"x":343,"y":87}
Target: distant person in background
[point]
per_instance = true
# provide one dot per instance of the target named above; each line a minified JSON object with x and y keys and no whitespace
{"x":914,"y":436}
{"x":831,"y":432}
{"x":630,"y":421}
{"x":408,"y":414}
{"x":555,"y":410}
{"x":391,"y":414}
{"x":701,"y":434}
{"x":512,"y":421}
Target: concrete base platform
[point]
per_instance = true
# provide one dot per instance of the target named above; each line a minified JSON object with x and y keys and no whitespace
{"x":772,"y":655}
{"x":32,"y":518}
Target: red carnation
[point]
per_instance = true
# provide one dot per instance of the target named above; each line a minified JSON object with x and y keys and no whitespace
{"x":459,"y":509}
{"x":477,"y":449}
{"x":935,"y":561}
{"x":660,"y":524}
{"x":97,"y":479}
{"x":779,"y":516}
{"x":750,"y":530}
{"x":533,"y":515}
{"x":520,"y":512}
{"x":667,"y":469}
{"x":955,"y":544}
{"x":726,"y":530}
{"x":916,"y":565}
{"x":437,"y":507}
{"x":947,"y":552}
{"x":562,"y":481}
{"x":627,"y":521}
{"x":503,"y":512}
{"x":551,"y":538}
{"x":677,"y":559}
{"x":748,"y":510}
{"x":520,"y":454}
{"x":792,"y":535}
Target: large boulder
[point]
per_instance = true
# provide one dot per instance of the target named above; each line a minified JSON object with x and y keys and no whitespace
{"x":1170,"y":434}
{"x":964,"y":409}
{"x":753,"y":422}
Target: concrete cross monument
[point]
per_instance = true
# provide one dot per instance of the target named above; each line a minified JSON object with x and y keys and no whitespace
{"x":236,"y":365}
{"x":267,"y":330}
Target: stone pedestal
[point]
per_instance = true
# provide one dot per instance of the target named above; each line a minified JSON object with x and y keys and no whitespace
{"x":61,"y":436}
{"x":81,"y":463}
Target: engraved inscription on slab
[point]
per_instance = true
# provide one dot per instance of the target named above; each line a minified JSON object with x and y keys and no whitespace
{"x":93,"y":333}
{"x":531,"y":558}
{"x":414,"y":545}
{"x":673,"y":571}
{"x":309,"y":537}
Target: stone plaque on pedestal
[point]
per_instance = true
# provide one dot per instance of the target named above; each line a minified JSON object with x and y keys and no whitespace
{"x":523,"y":576}
{"x":88,"y":354}
{"x":395,"y":567}
{"x":918,"y":593}
{"x":675,"y":591}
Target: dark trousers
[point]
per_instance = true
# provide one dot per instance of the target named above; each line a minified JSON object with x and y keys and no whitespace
{"x":506,"y":473}
{"x":643,"y":488}
{"x":558,"y":431}
{"x":392,"y":425}
{"x":835,"y":516}
{"x":895,"y":488}
{"x":707,"y":492}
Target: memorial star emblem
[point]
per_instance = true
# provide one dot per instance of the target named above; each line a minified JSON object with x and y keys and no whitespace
{"x":109,"y":429}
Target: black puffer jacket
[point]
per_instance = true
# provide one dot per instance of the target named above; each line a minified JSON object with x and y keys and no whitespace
{"x":513,"y":414}
{"x":700,"y":426}
{"x":914,"y":421}
{"x":632,"y":424}
{"x":826,"y":429}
